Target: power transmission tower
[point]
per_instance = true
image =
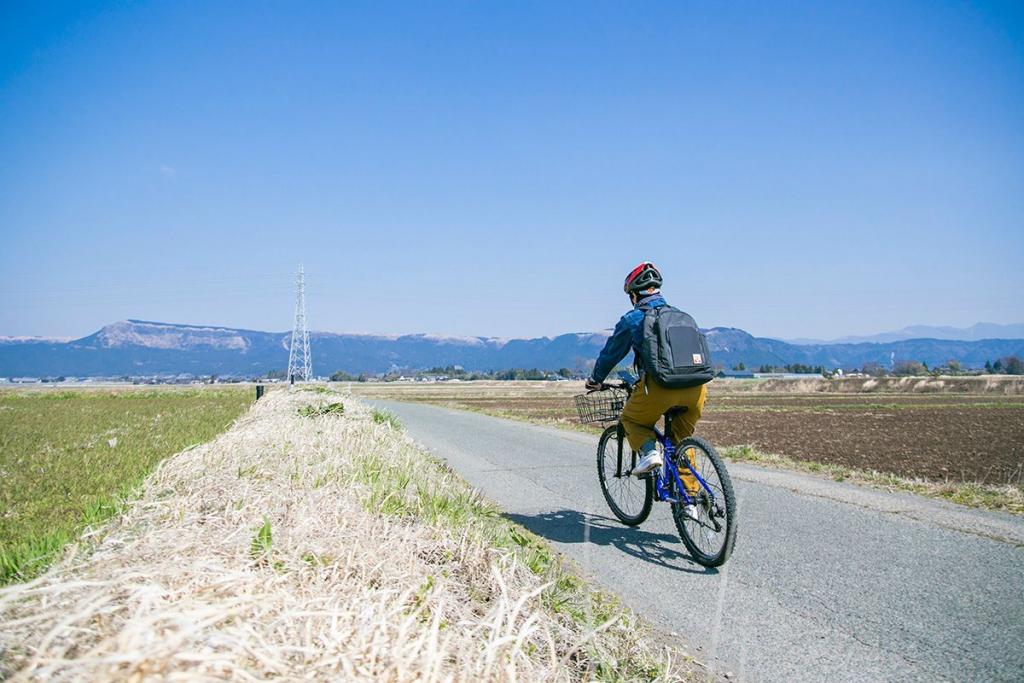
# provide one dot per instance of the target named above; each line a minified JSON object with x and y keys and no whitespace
{"x":300,"y":364}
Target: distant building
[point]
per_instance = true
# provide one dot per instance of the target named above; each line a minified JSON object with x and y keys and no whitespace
{"x":735,"y":374}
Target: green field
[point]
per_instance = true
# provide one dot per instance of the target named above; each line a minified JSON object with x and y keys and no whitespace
{"x":68,"y":458}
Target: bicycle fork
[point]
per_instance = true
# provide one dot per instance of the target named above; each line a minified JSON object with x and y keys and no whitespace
{"x":621,"y":438}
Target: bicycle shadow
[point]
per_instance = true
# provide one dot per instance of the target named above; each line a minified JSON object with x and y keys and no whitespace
{"x":573,"y":526}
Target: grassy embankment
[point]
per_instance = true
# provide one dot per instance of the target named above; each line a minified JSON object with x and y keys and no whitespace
{"x":849,"y":403}
{"x":69,"y":459}
{"x":417,"y":486}
{"x":314,"y":539}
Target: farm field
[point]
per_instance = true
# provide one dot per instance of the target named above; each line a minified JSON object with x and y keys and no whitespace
{"x":960,"y":436}
{"x":67,"y":457}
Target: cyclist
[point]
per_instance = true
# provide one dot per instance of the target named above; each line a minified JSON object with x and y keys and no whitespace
{"x":650,"y":399}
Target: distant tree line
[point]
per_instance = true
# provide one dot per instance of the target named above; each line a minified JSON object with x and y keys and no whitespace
{"x":795,"y":368}
{"x":1012,"y":365}
{"x":342,"y":376}
{"x":457,"y":372}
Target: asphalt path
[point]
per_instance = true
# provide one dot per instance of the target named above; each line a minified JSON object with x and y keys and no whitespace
{"x":828,"y":581}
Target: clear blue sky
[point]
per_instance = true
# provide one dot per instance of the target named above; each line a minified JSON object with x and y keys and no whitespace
{"x":805,"y":169}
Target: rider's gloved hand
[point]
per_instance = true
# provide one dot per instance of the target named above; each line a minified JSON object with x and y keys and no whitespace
{"x":593,"y":386}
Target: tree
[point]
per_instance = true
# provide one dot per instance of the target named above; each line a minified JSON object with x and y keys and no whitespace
{"x":342,"y":376}
{"x":1013,"y":365}
{"x":874,"y":369}
{"x":988,"y":367}
{"x":910,"y":367}
{"x":565,"y":372}
{"x":739,"y":367}
{"x":954,"y":367}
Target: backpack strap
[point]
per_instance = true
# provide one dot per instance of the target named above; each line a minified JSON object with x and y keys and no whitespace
{"x":638,"y":362}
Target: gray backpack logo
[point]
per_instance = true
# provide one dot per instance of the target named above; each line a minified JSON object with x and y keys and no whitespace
{"x":674,"y":351}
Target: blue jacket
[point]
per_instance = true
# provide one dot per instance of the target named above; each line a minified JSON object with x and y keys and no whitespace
{"x":627,"y":335}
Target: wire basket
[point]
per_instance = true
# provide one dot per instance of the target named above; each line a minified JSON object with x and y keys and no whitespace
{"x":601,"y":406}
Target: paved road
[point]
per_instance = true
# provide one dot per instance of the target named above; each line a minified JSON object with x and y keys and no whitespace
{"x":828,"y":581}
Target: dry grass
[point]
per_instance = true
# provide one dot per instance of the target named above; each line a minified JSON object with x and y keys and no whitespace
{"x":323,"y":547}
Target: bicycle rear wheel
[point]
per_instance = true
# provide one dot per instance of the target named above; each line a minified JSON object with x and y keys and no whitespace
{"x":711,"y":536}
{"x":629,"y":498}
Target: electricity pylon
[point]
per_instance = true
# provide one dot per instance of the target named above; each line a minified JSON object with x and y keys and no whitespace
{"x":300,"y":363}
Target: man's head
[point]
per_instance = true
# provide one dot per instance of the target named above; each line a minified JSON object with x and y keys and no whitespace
{"x":642,"y":281}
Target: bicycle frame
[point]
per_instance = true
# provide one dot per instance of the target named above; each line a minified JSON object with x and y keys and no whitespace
{"x":672,"y":472}
{"x":669,"y":473}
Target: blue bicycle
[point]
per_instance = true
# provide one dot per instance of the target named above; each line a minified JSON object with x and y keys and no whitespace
{"x":693,"y":479}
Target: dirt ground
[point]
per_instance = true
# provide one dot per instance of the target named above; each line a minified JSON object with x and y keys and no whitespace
{"x":939,"y":433}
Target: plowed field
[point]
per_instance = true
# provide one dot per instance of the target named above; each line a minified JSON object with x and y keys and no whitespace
{"x":940,"y":437}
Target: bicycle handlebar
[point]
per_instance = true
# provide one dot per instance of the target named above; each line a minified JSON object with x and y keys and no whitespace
{"x":613,"y":385}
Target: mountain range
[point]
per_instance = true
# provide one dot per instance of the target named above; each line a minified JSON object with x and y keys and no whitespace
{"x":138,"y":347}
{"x":975,"y":332}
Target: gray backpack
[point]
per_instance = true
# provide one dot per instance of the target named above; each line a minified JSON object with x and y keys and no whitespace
{"x":673,"y":350}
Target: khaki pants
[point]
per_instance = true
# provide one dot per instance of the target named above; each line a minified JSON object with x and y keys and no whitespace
{"x":649,"y":402}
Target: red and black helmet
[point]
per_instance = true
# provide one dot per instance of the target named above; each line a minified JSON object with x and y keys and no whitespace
{"x":643,"y":277}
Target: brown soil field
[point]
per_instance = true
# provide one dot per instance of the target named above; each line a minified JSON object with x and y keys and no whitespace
{"x":958,"y":442}
{"x":956,"y":436}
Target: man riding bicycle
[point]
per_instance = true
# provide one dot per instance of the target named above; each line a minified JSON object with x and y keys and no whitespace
{"x":663,"y":385}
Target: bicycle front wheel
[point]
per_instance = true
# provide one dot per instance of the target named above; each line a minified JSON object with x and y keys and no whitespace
{"x":629,"y":498}
{"x":710,"y":535}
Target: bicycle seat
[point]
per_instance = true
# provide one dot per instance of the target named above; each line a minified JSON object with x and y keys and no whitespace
{"x":675,"y":412}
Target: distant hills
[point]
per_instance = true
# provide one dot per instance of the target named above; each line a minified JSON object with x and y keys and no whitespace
{"x":975,"y":332}
{"x":138,"y":347}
